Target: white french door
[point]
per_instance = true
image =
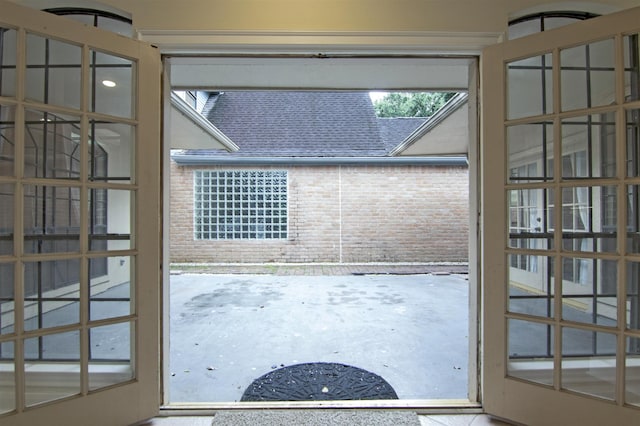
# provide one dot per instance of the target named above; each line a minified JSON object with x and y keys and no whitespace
{"x":80,"y":242}
{"x":561,"y":252}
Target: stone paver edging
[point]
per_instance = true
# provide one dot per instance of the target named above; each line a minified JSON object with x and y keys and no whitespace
{"x":319,"y":269}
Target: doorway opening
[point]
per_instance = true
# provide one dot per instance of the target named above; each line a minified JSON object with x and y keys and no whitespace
{"x":291,"y":265}
{"x":376,"y":225}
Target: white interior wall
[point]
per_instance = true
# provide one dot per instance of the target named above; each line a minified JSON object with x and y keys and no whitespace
{"x":331,"y":15}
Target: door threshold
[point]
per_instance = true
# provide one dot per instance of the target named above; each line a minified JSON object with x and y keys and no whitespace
{"x":421,"y":406}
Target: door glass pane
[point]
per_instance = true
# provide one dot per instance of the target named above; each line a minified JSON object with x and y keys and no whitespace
{"x":524,"y":28}
{"x":589,"y":291}
{"x":8,"y":383}
{"x":589,"y":218}
{"x":51,"y":293}
{"x":530,"y":87}
{"x":112,"y":82}
{"x":111,"y":151}
{"x":6,"y":219}
{"x":53,"y":72}
{"x":7,"y":298}
{"x":110,"y":224}
{"x":589,"y":362}
{"x":110,"y":289}
{"x":633,"y":219}
{"x":530,"y":348}
{"x":46,"y":355}
{"x":590,"y":143}
{"x":7,"y":62}
{"x":531,"y":285}
{"x":52,"y":148}
{"x":110,"y":358}
{"x":51,"y":219}
{"x":529,"y":217}
{"x":633,"y":142}
{"x":631,"y":68}
{"x":633,"y":296}
{"x":7,"y":139}
{"x":632,"y":372}
{"x":529,"y":146}
{"x":588,"y":75}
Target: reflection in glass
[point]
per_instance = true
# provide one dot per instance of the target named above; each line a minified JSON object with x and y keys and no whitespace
{"x":51,"y":293}
{"x":530,"y":348}
{"x":52,"y":148}
{"x":111,"y":151}
{"x":53,"y":72}
{"x":7,"y":298}
{"x":531,"y":285}
{"x":589,"y":362}
{"x":633,"y":296}
{"x":530,"y":87}
{"x":631,"y":68}
{"x":7,"y":139}
{"x":110,"y":220}
{"x":633,"y":218}
{"x":51,"y":219}
{"x":589,"y":291}
{"x":632,"y":371}
{"x":633,"y":142}
{"x":585,"y":227}
{"x":59,"y":348}
{"x":110,"y":289}
{"x":110,"y":358}
{"x":7,"y":62}
{"x":6,"y":218}
{"x":588,"y":75}
{"x":529,"y":219}
{"x":589,"y":146}
{"x":8,"y":387}
{"x":529,"y":146}
{"x":112,"y":83}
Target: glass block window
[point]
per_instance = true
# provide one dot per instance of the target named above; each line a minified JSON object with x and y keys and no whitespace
{"x":240,"y":205}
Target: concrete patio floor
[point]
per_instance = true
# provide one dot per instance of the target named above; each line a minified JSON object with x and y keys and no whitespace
{"x":226,"y":330}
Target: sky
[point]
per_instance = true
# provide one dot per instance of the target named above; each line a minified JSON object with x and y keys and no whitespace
{"x":376,"y":95}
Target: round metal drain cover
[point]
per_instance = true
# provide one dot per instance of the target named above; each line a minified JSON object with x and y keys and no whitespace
{"x":318,"y":381}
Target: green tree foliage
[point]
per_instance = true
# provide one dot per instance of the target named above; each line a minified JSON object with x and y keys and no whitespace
{"x":413,"y":104}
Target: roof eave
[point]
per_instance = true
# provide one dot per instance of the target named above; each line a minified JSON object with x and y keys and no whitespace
{"x":447,"y":109}
{"x":207,"y":160}
{"x":202,"y":123}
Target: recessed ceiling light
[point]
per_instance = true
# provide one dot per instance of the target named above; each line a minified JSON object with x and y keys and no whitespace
{"x":109,"y":83}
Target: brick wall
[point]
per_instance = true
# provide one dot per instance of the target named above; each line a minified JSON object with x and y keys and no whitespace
{"x":344,"y":214}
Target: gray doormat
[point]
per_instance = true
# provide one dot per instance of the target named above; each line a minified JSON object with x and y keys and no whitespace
{"x":316,"y":418}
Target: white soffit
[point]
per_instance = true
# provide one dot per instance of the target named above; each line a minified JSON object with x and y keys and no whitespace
{"x":320,"y":73}
{"x":444,"y":133}
{"x":189,"y":130}
{"x":451,"y":137}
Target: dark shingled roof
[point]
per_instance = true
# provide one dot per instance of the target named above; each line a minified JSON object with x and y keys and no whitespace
{"x":394,"y":131}
{"x":300,"y":124}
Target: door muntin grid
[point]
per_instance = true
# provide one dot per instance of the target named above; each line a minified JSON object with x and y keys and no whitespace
{"x":557,"y":328}
{"x":68,"y":258}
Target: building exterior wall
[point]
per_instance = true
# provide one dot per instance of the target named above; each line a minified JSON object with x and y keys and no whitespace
{"x":351,"y":214}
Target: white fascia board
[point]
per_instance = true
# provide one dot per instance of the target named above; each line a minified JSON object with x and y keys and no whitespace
{"x":185,"y":119}
{"x":203,"y":160}
{"x":449,"y":108}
